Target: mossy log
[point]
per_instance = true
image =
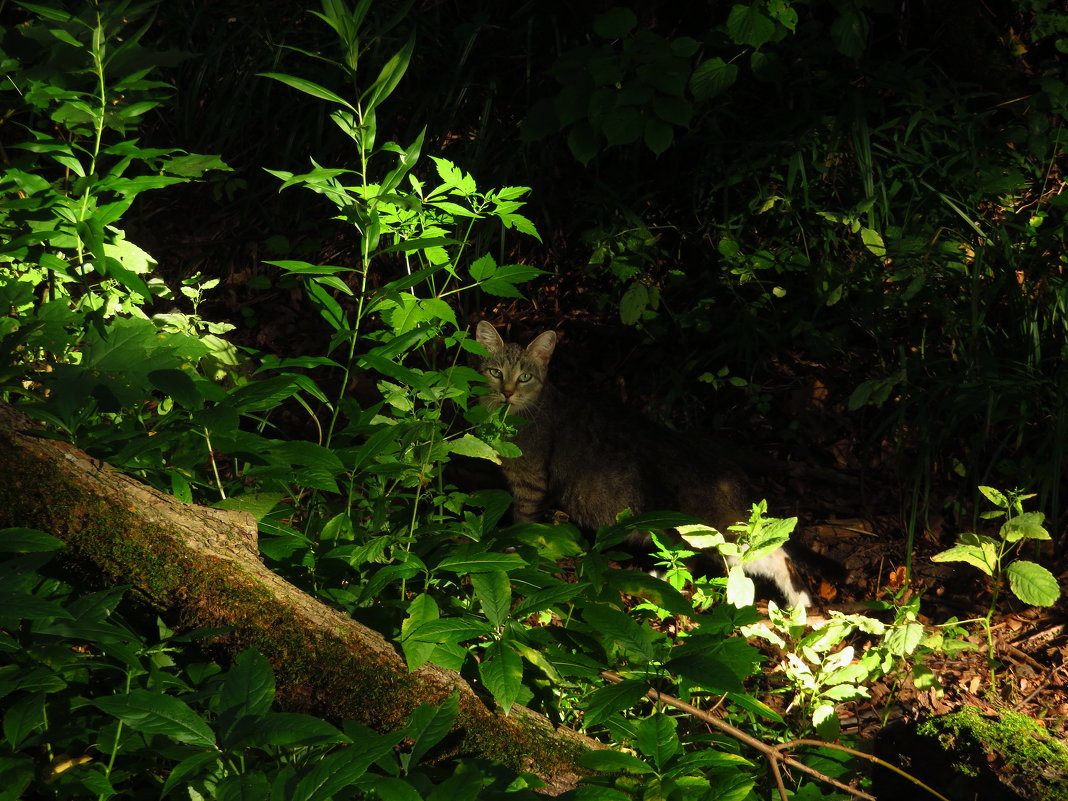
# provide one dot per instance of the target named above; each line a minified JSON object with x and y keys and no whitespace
{"x":200,"y":567}
{"x":992,"y":755}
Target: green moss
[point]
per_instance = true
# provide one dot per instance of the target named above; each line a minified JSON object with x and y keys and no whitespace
{"x":1023,"y":752}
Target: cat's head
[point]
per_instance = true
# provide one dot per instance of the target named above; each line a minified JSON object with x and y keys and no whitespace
{"x":514,"y":375}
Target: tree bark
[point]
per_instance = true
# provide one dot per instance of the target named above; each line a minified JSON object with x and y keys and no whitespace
{"x":201,"y":567}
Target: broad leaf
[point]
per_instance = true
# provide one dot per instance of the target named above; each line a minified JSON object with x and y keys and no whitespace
{"x":156,"y":713}
{"x":502,"y":672}
{"x":1033,"y":584}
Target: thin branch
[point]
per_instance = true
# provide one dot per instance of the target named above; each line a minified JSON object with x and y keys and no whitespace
{"x":773,"y":753}
{"x":870,"y":757}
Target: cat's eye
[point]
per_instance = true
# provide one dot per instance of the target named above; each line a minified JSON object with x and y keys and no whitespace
{"x":525,"y":377}
{"x":494,"y":372}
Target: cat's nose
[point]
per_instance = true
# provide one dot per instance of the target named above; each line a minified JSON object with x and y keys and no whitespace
{"x":507,"y":392}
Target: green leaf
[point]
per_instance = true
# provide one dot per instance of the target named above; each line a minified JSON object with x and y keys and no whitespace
{"x":977,"y":554}
{"x":618,"y":627}
{"x":634,"y":301}
{"x":613,"y":762}
{"x":289,"y":729}
{"x":712,"y":77}
{"x":651,"y":588}
{"x":657,"y":739}
{"x":996,"y":497}
{"x":903,"y":640}
{"x":715,"y":663}
{"x":179,"y":385}
{"x":604,"y":702}
{"x":481,"y":562}
{"x":195,"y":765}
{"x":749,"y":26}
{"x":248,"y":688}
{"x":257,"y":504}
{"x":623,"y":125}
{"x":502,"y":672}
{"x":450,"y":630}
{"x":1032,"y":583}
{"x":422,"y":609}
{"x":390,"y":75}
{"x":1026,"y":526}
{"x":849,"y":32}
{"x":873,"y":241}
{"x":194,"y":165}
{"x":341,"y":769}
{"x":429,"y":724}
{"x":494,"y":593}
{"x":246,"y":786}
{"x":547,"y":598}
{"x":28,"y":540}
{"x":22,"y":717}
{"x":825,"y":719}
{"x":470,"y":445}
{"x":390,"y":788}
{"x":308,"y":87}
{"x":156,"y":713}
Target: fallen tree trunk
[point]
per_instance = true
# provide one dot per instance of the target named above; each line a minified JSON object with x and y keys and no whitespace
{"x":201,"y":567}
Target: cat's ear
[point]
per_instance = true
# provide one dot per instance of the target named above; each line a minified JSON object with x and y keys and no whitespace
{"x":542,"y":347}
{"x":488,"y":337}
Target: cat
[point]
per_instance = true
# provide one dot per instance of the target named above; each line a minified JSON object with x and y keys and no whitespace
{"x":592,"y":464}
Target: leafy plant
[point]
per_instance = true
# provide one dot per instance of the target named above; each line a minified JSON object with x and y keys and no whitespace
{"x":1030,"y":582}
{"x":94,"y":706}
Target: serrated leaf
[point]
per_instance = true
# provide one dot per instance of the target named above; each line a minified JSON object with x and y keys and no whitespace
{"x":996,"y":497}
{"x":981,"y":555}
{"x":470,"y":445}
{"x":1032,"y":583}
{"x":825,"y":719}
{"x":1026,"y":526}
{"x":634,"y":301}
{"x":902,"y":640}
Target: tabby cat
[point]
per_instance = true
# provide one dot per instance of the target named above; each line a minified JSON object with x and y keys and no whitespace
{"x":592,"y":464}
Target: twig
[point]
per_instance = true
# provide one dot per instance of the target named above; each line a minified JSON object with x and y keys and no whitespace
{"x":1045,"y":683}
{"x":774,"y":753}
{"x":870,"y":757}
